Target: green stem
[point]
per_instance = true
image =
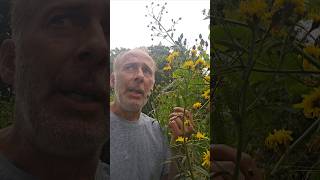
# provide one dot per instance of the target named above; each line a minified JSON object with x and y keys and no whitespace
{"x":306,"y":133}
{"x":183,"y":129}
{"x":242,"y":107}
{"x":310,"y":58}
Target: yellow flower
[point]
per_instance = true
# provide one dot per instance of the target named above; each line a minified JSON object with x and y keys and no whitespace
{"x":206,"y":159}
{"x":307,"y":66}
{"x":188,"y":64}
{"x":193,"y":52}
{"x":181,"y":139}
{"x":279,"y":137}
{"x":313,"y":51}
{"x":200,"y":136}
{"x":207,"y":78}
{"x":207,"y":65}
{"x":253,"y":8}
{"x":206,"y":94}
{"x":197,"y":105}
{"x":167,"y":67}
{"x":298,"y":5}
{"x":172,"y":56}
{"x":186,"y":122}
{"x":315,"y":16}
{"x":311,"y":104}
{"x":199,"y":61}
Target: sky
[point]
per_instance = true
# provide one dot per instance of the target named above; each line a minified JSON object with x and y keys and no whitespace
{"x":128,"y":25}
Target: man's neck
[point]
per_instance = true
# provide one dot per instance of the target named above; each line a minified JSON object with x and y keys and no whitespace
{"x":43,"y":165}
{"x":128,"y":115}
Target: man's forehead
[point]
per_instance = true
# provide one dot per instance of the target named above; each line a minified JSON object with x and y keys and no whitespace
{"x":48,"y":5}
{"x":136,"y":59}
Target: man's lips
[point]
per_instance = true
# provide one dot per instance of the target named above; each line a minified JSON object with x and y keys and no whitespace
{"x":136,"y":93}
{"x":84,"y":98}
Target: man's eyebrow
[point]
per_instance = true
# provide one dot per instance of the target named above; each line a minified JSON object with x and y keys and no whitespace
{"x":70,"y":7}
{"x":129,"y":63}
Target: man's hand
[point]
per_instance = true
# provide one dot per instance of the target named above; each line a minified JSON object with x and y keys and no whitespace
{"x":223,"y":160}
{"x":181,"y":122}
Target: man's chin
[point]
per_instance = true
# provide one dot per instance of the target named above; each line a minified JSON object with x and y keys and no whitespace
{"x":69,"y":144}
{"x":133,"y":107}
{"x":71,"y":137}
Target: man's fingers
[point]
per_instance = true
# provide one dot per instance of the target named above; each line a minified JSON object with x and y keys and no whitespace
{"x":188,"y":127}
{"x":175,"y":129}
{"x":182,"y":110}
{"x":224,"y":169}
{"x":221,"y":152}
{"x":178,"y":121}
{"x":178,"y":109}
{"x":176,"y":114}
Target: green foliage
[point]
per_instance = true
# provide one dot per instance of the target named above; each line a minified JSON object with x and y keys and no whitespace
{"x":6,"y":99}
{"x":260,"y":72}
{"x":6,"y":112}
{"x":182,"y":82}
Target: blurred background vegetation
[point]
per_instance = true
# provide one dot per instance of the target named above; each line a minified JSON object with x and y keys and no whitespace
{"x":6,"y":93}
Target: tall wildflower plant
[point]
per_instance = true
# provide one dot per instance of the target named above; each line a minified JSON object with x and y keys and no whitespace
{"x":265,"y":58}
{"x":187,"y":84}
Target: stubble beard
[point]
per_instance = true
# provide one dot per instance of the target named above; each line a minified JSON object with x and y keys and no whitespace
{"x":45,"y":131}
{"x":128,"y":106}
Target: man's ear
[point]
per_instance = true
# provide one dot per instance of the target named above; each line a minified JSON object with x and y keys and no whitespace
{"x":7,"y":61}
{"x":112,"y":79}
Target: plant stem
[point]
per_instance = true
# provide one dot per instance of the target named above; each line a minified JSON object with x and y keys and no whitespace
{"x":242,"y":107}
{"x":306,"y":133}
{"x":183,"y":129}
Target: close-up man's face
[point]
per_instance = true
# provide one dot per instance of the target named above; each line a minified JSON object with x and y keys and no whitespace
{"x":133,"y":81}
{"x":60,"y":76}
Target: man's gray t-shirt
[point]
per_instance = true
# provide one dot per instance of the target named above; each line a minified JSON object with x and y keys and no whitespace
{"x":9,"y":171}
{"x":138,"y":150}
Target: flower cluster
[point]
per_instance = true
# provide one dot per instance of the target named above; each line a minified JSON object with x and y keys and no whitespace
{"x":206,"y":159}
{"x":197,"y":105}
{"x":278,"y":138}
{"x":206,"y":94}
{"x":201,"y":136}
{"x":297,"y":5}
{"x":313,"y":51}
{"x":311,"y":104}
{"x":188,"y":65}
{"x":253,"y":8}
{"x":170,"y":58}
{"x":181,"y":139}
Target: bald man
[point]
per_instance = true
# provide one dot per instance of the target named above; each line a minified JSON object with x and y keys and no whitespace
{"x":57,"y":63}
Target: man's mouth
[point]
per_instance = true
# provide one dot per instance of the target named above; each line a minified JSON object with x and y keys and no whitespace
{"x":136,"y":91}
{"x":83,"y":99}
{"x":82,"y":96}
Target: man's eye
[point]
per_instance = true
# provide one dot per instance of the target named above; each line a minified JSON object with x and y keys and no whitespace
{"x":60,"y":21}
{"x":130,"y":67}
{"x":147,"y":71}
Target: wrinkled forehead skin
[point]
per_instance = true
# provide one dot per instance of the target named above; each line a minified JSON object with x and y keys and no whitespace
{"x":24,"y":12}
{"x":136,"y":53}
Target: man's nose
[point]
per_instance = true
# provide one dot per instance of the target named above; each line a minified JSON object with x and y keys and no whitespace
{"x":94,"y":48}
{"x":139,"y":75}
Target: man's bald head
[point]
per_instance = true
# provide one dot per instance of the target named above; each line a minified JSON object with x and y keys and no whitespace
{"x":138,"y":52}
{"x":59,"y":46}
